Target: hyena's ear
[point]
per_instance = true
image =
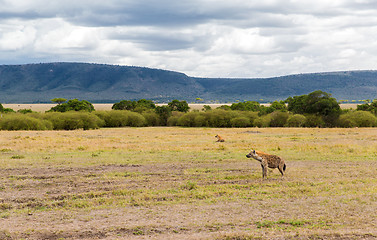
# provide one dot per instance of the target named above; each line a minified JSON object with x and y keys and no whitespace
{"x":254,"y":151}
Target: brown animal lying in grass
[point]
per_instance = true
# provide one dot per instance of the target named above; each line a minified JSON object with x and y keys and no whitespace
{"x":268,"y":160}
{"x":219,"y":138}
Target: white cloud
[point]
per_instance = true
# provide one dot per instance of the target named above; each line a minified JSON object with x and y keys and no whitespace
{"x":17,"y":38}
{"x":244,"y":41}
{"x":198,"y":37}
{"x":65,"y":37}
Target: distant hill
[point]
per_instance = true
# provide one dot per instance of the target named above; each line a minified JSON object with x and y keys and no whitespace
{"x":35,"y":83}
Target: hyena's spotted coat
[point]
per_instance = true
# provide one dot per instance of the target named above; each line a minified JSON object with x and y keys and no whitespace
{"x":268,"y":160}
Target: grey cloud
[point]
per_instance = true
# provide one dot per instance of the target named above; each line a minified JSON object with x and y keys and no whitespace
{"x":159,"y":40}
{"x":180,"y":14}
{"x":25,"y":15}
{"x":165,"y":13}
{"x":155,"y":42}
{"x":164,"y":43}
{"x":141,"y":13}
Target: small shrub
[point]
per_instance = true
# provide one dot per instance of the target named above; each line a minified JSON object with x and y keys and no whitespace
{"x":121,"y":118}
{"x":23,"y":122}
{"x":240,"y":122}
{"x":251,"y":116}
{"x":189,"y":186}
{"x":6,"y":150}
{"x":151,"y":118}
{"x":314,"y":121}
{"x":74,"y":120}
{"x":278,"y":119}
{"x":221,"y":118}
{"x":5,"y":206}
{"x":135,"y":120}
{"x":358,"y":119}
{"x":8,"y":110}
{"x":173,"y":119}
{"x":115,"y":118}
{"x":91,"y":121}
{"x":201,"y":121}
{"x":24,"y":111}
{"x":296,"y":120}
{"x":188,"y":119}
{"x":263,"y":121}
{"x":346,"y":122}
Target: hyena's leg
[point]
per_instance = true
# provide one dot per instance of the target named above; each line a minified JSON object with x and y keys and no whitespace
{"x":280,"y":167}
{"x":264,"y":168}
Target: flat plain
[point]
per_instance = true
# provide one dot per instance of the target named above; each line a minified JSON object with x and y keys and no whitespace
{"x":107,"y":106}
{"x":179,"y":183}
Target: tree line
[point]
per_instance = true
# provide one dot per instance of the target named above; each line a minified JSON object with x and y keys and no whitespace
{"x":317,"y":109}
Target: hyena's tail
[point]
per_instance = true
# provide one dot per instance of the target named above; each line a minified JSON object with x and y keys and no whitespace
{"x":284,"y":167}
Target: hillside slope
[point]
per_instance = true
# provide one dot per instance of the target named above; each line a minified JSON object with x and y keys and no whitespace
{"x":347,"y":85}
{"x":93,"y":82}
{"x":32,"y":83}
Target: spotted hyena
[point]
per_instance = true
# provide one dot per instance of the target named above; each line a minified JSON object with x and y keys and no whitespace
{"x":219,"y":138}
{"x":268,"y":160}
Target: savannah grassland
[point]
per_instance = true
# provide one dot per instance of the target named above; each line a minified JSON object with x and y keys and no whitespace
{"x":178,"y":183}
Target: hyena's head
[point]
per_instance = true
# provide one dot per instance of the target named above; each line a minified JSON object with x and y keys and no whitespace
{"x":253,"y":154}
{"x":216,"y":136}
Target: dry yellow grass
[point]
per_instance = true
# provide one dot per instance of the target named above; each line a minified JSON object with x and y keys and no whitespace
{"x":179,"y":183}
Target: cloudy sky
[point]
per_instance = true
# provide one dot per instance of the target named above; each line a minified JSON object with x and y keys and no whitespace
{"x":203,"y":38}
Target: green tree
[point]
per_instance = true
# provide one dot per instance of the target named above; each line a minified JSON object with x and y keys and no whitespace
{"x":24,"y":111}
{"x":278,"y":119}
{"x":137,"y":106}
{"x":164,"y":112}
{"x":224,"y":107}
{"x":278,"y":106}
{"x":180,"y":106}
{"x":206,"y":108}
{"x":297,"y":104}
{"x":246,"y":106}
{"x":372,"y":107}
{"x":146,"y":103}
{"x":73,"y":105}
{"x":274,"y":106}
{"x":322,"y":103}
{"x":124,"y":105}
{"x":58,"y":100}
{"x":5,"y":110}
{"x":317,"y":102}
{"x":143,"y":105}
